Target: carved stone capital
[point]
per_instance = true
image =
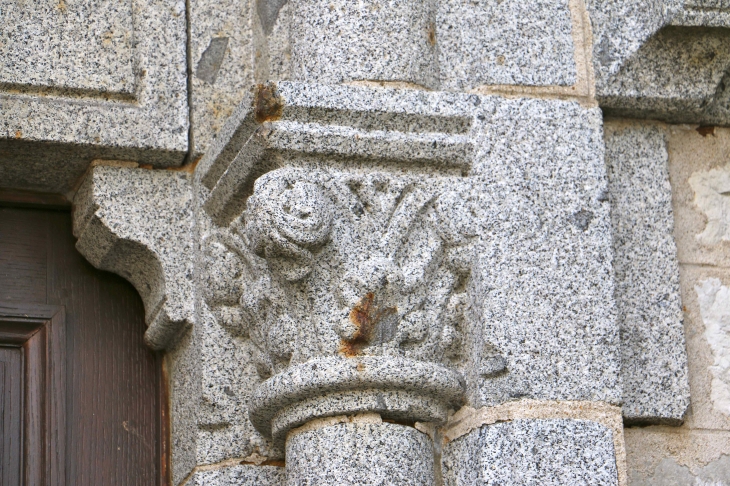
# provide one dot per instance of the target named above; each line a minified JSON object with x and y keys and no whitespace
{"x":348,"y":261}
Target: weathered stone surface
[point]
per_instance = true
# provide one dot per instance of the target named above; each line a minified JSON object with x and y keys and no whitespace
{"x":704,"y":13}
{"x":525,"y":43}
{"x":360,"y":454}
{"x":521,"y":452}
{"x":184,"y":378}
{"x":396,"y":388}
{"x":222,"y":44}
{"x":699,"y":174}
{"x":714,"y":302}
{"x":139,"y":224}
{"x":95,"y":79}
{"x":337,"y":228}
{"x":328,"y":262}
{"x":621,"y":27}
{"x":667,"y":457}
{"x":702,"y":297}
{"x":649,"y":85}
{"x":668,"y":472}
{"x":653,"y":353}
{"x":240,"y":476}
{"x":46,"y":45}
{"x":542,"y":295}
{"x":384,"y":128}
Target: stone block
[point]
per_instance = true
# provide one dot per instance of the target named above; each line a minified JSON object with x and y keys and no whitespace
{"x":240,"y":476}
{"x":525,"y":452}
{"x":543,"y":279}
{"x":84,"y":80}
{"x":228,"y":377}
{"x":341,"y":41}
{"x":699,"y":173}
{"x":360,"y":454}
{"x":704,"y":13}
{"x":653,"y":354}
{"x":621,"y":27}
{"x":637,"y":47}
{"x":505,"y":43}
{"x":649,"y":85}
{"x":184,"y":381}
{"x":222,"y":44}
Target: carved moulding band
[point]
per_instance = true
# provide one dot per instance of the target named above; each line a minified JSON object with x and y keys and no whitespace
{"x":397,"y":388}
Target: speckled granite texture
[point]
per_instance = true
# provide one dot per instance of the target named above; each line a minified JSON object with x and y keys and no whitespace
{"x":531,"y":452}
{"x":240,"y":476}
{"x":543,"y":280}
{"x":341,"y":40}
{"x":360,"y":455}
{"x":649,"y":85}
{"x":638,"y":46}
{"x":654,"y":358}
{"x":366,"y":232}
{"x":139,"y":224}
{"x":41,"y":47}
{"x":527,"y":43}
{"x":621,"y":27}
{"x":102,"y":79}
{"x":388,"y":236}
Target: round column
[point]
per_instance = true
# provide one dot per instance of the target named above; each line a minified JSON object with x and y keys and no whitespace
{"x":359,"y":454}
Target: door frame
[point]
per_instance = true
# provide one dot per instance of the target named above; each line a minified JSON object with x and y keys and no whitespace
{"x":39,"y":329}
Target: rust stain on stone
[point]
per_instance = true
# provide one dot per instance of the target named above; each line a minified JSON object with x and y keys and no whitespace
{"x":268,"y":105}
{"x":365,"y":316}
{"x":189,"y":168}
{"x":706,"y":130}
{"x":432,"y":34}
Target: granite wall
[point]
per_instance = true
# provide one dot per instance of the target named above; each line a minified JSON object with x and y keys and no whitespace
{"x":402,"y":241}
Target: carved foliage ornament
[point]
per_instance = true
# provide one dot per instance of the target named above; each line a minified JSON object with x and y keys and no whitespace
{"x":328,"y":263}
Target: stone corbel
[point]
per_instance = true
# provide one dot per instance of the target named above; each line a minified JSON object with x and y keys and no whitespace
{"x":139,"y":224}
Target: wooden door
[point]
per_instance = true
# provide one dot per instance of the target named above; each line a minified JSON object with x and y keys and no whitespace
{"x":81,"y":396}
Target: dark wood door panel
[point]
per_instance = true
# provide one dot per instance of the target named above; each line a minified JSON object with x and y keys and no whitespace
{"x":114,"y":391}
{"x":23,"y":256}
{"x":11,"y":411}
{"x":35,"y":334}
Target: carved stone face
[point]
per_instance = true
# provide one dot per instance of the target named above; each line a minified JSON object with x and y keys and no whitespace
{"x":285,"y":220}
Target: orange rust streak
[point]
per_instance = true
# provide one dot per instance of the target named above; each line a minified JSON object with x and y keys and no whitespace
{"x":365,"y":316}
{"x":189,"y":168}
{"x":268,"y":105}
